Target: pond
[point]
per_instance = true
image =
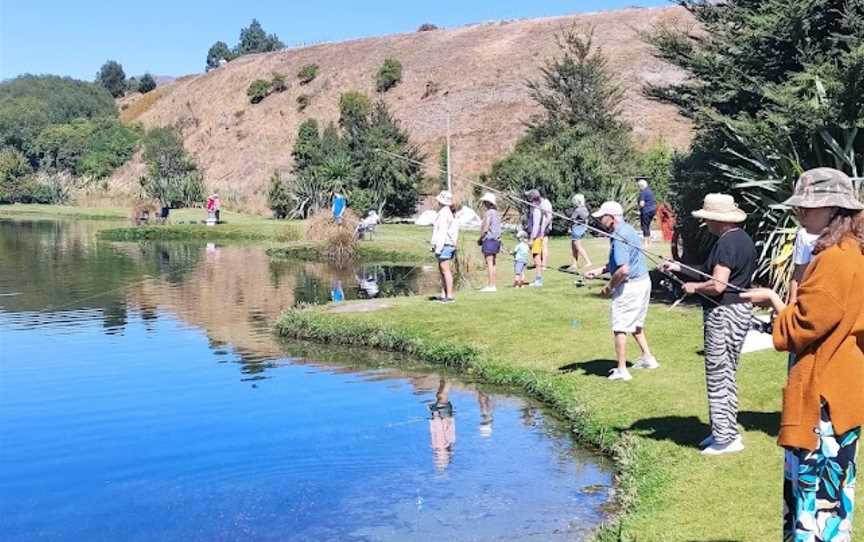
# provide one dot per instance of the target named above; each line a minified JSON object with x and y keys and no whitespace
{"x":145,"y":397}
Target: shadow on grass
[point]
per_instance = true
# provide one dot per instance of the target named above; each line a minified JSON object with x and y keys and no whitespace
{"x":685,"y":431}
{"x":594,"y":367}
{"x":688,"y":431}
{"x":766,"y":422}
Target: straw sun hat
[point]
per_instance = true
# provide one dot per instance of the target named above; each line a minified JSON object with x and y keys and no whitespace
{"x":720,"y":208}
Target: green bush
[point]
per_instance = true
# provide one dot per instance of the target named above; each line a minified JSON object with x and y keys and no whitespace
{"x":146,"y":84}
{"x":258,"y":90}
{"x":389,"y":75}
{"x":279,"y":197}
{"x":307,"y":73}
{"x":278,"y":83}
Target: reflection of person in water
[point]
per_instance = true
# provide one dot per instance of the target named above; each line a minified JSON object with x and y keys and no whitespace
{"x":486,"y":408}
{"x":442,"y":427}
{"x":337,"y":294}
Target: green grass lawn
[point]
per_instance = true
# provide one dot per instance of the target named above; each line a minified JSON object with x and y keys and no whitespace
{"x":555,"y":341}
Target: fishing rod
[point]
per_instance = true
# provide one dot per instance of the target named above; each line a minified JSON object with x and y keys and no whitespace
{"x":609,"y":235}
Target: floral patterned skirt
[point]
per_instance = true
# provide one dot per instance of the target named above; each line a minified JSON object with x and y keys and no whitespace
{"x":819,"y":487}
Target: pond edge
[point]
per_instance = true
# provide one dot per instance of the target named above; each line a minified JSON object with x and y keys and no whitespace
{"x":314,"y":324}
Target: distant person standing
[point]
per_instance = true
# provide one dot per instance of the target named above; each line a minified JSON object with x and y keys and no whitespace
{"x":339,"y":205}
{"x":521,"y":257}
{"x":211,"y":207}
{"x":217,"y":207}
{"x":490,"y":238}
{"x":536,"y":234}
{"x":445,"y":235}
{"x":629,"y":288}
{"x":578,"y":229}
{"x":647,"y":208}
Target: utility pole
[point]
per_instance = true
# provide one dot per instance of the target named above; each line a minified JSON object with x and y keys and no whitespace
{"x":449,"y":171}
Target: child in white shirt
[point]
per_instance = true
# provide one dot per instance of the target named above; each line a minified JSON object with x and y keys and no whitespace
{"x":521,"y":254}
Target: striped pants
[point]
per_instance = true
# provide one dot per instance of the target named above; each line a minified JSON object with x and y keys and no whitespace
{"x":726,"y":327}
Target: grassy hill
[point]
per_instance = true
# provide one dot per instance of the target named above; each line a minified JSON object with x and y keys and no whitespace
{"x":482,"y":69}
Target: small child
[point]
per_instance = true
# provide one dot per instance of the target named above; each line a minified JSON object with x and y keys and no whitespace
{"x":522,"y":254}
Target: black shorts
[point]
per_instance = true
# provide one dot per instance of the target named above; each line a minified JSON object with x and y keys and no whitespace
{"x":645,"y":219}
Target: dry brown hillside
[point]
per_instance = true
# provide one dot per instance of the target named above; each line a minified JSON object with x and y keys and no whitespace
{"x":482,"y":67}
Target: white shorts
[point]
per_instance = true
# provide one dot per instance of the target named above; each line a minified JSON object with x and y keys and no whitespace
{"x":630,"y":305}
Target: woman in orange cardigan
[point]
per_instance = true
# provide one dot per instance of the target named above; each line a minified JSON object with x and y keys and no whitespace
{"x":823,"y":401}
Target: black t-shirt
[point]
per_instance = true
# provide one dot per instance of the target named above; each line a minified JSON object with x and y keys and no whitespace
{"x":736,"y":251}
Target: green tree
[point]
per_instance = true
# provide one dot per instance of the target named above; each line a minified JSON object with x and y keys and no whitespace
{"x":773,"y":88}
{"x":354,"y":110}
{"x":389,"y":75}
{"x":253,"y":39}
{"x":112,"y":77}
{"x":218,"y":51}
{"x":577,"y":143}
{"x":146,"y":84}
{"x":172,"y":177}
{"x":307,"y":147}
{"x":389,"y":166}
{"x":30,"y":103}
{"x":15,"y":173}
{"x":258,"y":90}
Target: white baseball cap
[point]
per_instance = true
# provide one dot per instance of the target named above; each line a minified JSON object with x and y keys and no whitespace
{"x":611,"y":208}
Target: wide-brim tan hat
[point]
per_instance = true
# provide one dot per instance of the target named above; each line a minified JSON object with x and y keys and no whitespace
{"x":720,"y":208}
{"x":444,"y":198}
{"x":489,"y":198}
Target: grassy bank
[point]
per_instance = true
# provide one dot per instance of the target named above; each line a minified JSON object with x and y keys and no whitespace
{"x":555,"y":344}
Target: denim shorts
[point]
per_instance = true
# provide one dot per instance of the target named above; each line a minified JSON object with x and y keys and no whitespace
{"x":578,"y":231}
{"x":447,"y":253}
{"x":519,"y":267}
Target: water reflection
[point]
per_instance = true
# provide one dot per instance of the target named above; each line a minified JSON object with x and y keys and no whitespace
{"x":183,"y":417}
{"x":442,"y":427}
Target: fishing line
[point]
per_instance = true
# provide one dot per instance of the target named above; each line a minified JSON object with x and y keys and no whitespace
{"x":761,"y":324}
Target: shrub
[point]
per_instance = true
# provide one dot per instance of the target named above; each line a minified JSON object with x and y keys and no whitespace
{"x":303,"y":101}
{"x":86,"y":147}
{"x":427,"y":27}
{"x":146,"y":84}
{"x":258,"y":90}
{"x":278,"y":83}
{"x":307,"y":73}
{"x":279,"y":197}
{"x":389,"y":75}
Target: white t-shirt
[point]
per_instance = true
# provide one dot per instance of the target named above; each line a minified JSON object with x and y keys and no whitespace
{"x":803,"y":252}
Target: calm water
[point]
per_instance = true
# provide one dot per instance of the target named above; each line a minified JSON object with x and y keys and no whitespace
{"x":144,"y":397}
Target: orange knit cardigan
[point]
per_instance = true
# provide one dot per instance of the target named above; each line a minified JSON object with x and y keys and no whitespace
{"x":825,"y":330}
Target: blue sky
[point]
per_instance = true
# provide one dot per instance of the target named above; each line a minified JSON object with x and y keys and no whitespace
{"x":171,"y":37}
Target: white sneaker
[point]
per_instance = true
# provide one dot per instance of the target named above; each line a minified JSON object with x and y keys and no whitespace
{"x":489,"y":289}
{"x":620,"y":374}
{"x":735,"y":446}
{"x":646,"y":363}
{"x":535,"y":284}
